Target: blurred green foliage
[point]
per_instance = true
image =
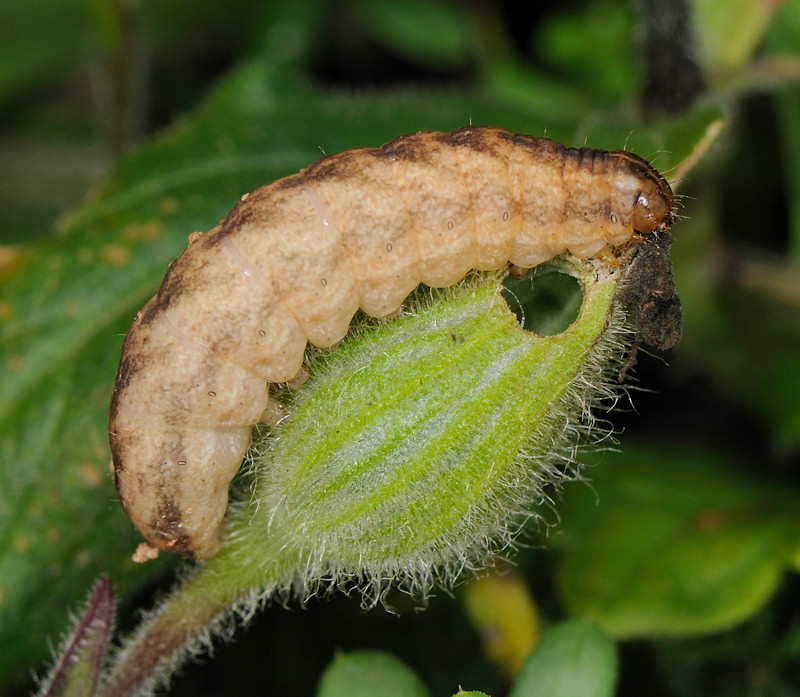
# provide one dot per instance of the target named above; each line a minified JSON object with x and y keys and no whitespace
{"x":166,"y":112}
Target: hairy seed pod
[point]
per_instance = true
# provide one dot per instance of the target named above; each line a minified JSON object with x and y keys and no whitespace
{"x":295,"y":259}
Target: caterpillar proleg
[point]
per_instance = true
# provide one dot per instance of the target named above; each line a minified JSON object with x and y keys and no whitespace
{"x":295,"y":259}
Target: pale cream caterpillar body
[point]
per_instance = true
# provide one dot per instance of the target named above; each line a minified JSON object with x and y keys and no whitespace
{"x":294,"y":260}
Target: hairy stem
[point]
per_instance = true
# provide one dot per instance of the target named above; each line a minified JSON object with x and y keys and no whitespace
{"x":180,"y":626}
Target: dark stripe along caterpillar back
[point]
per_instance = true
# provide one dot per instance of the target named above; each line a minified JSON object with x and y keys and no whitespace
{"x":295,"y":259}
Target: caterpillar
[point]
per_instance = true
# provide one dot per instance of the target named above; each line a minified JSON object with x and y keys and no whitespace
{"x":295,"y":259}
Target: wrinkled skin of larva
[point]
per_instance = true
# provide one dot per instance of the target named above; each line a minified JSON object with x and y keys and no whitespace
{"x":295,"y":259}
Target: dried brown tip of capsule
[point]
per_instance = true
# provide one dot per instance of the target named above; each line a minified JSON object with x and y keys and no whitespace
{"x":651,"y":195}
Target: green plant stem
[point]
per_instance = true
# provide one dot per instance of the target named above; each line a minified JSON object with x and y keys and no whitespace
{"x":181,"y":625}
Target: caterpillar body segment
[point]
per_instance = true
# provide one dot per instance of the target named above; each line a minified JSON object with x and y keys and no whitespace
{"x":295,"y":259}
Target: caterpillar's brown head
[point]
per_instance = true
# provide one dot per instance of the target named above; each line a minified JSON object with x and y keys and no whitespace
{"x":651,"y":195}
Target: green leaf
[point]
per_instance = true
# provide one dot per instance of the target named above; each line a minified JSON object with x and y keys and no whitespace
{"x":368,"y":674}
{"x":673,"y":542}
{"x":61,"y":32}
{"x":573,"y":659}
{"x":428,"y":31}
{"x":610,"y":70}
{"x":729,"y":31}
{"x":764,"y":651}
{"x":788,"y":103}
{"x":733,"y":322}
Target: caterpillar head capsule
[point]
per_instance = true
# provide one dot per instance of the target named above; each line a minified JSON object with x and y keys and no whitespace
{"x":651,"y":195}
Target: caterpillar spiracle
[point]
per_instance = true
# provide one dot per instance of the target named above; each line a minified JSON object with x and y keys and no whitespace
{"x":295,"y":259}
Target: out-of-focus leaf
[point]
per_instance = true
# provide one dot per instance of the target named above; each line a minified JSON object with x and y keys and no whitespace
{"x":504,"y":613}
{"x":290,"y":33}
{"x":573,"y":659}
{"x":741,"y":320}
{"x":515,"y":83}
{"x":777,"y":63}
{"x":729,"y":31}
{"x":784,"y":40}
{"x":436,"y":32}
{"x":60,"y":31}
{"x":789,"y":113}
{"x":762,"y":655}
{"x":368,"y":674}
{"x":285,"y":33}
{"x":553,"y":299}
{"x":671,"y":542}
{"x":609,"y":71}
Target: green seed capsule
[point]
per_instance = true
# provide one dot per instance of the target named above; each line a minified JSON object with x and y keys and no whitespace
{"x":417,"y":449}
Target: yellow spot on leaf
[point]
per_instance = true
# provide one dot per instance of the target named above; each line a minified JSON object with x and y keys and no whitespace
{"x":143,"y":232}
{"x":169,"y":205}
{"x":9,"y":256}
{"x":21,"y":544}
{"x":90,"y":475}
{"x":711,"y":521}
{"x":116,"y":255}
{"x":83,"y":557}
